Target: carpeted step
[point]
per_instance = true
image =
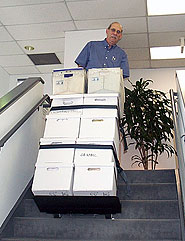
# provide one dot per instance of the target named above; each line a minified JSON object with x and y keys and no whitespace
{"x":97,"y":229}
{"x":33,"y":239}
{"x":130,"y":210}
{"x":150,"y":176}
{"x":149,"y":210}
{"x":148,"y":191}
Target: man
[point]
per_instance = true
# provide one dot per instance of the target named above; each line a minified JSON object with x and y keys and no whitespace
{"x":105,"y":53}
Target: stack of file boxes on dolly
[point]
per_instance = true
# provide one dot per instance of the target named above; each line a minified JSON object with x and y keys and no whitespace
{"x":76,"y":165}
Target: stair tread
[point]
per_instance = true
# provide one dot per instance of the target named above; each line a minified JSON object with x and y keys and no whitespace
{"x":97,"y":229}
{"x":45,"y":239}
{"x":130,"y":208}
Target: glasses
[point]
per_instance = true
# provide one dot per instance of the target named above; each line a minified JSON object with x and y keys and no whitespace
{"x":117,"y":31}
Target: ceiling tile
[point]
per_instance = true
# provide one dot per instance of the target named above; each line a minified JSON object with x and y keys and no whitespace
{"x":40,"y":31}
{"x":134,"y":41}
{"x":166,"y":23}
{"x":7,"y":3}
{"x":4,"y":35}
{"x":138,"y":54}
{"x":106,"y":9}
{"x":49,"y":68}
{"x":15,"y":60}
{"x":44,"y":46}
{"x":22,"y":70}
{"x":10,"y":48}
{"x":172,"y":63}
{"x":130,"y":25}
{"x":34,"y":14}
{"x":165,"y":39}
{"x":139,"y":64}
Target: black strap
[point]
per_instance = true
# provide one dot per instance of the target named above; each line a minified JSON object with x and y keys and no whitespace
{"x":83,"y":107}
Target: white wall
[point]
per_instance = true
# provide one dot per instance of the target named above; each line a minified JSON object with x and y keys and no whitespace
{"x":19,"y":154}
{"x":4,"y":82}
{"x":46,"y":77}
{"x":76,"y":40}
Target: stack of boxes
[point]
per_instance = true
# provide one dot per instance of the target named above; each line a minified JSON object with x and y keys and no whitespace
{"x":81,"y":140}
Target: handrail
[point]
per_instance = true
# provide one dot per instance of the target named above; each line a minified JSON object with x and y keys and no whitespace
{"x":12,"y":96}
{"x":177,"y":174}
{"x":21,"y":122}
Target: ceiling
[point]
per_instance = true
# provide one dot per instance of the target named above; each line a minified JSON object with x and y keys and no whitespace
{"x":42,"y":24}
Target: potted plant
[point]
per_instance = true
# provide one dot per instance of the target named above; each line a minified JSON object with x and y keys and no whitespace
{"x":147,"y":120}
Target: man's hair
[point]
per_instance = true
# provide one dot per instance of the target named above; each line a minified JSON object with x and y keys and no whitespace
{"x":116,"y":23}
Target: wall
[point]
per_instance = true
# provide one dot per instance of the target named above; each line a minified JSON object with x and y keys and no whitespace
{"x":76,"y":40}
{"x":4,"y":82}
{"x":19,"y":153}
{"x":46,"y":77}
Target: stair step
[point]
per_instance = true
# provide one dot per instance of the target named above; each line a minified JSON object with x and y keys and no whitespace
{"x":36,"y":239}
{"x":149,"y":191}
{"x":130,"y":210}
{"x":150,"y":176}
{"x":149,"y":210}
{"x":97,"y":229}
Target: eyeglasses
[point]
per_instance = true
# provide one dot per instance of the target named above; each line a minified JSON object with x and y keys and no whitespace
{"x":117,"y":31}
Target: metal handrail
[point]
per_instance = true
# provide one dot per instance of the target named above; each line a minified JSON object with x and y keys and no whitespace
{"x":15,"y":94}
{"x":177,"y":174}
{"x":21,"y":122}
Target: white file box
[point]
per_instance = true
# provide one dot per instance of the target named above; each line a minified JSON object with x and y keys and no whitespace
{"x":69,"y":81}
{"x":51,"y":153}
{"x":100,"y":128}
{"x":93,"y":157}
{"x":107,"y":99}
{"x":67,"y":105}
{"x":94,"y":181}
{"x":61,"y":127}
{"x":99,"y":112}
{"x":107,"y":80}
{"x":53,"y":180}
{"x":66,"y":100}
{"x":97,"y":141}
{"x":66,"y":113}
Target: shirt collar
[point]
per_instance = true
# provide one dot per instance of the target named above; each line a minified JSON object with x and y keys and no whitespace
{"x":107,"y":45}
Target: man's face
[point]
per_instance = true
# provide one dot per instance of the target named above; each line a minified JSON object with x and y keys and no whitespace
{"x":114,"y":34}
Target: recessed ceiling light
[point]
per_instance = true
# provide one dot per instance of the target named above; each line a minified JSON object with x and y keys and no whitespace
{"x":164,"y":7}
{"x":172,"y":52}
{"x":29,"y":48}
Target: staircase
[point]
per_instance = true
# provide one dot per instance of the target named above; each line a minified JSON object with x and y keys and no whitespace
{"x":151,"y":212}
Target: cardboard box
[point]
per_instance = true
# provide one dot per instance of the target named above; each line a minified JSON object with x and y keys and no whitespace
{"x":53,"y":180}
{"x":107,"y":99}
{"x":49,"y":155}
{"x":100,"y":128}
{"x":107,"y":80}
{"x":94,"y":181}
{"x":66,"y":113}
{"x":67,"y":100}
{"x":61,"y":127}
{"x":102,"y":157}
{"x":69,"y":81}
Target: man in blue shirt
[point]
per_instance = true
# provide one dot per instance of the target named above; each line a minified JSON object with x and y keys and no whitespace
{"x":105,"y":53}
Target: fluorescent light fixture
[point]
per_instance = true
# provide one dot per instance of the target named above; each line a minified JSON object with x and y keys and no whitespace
{"x":172,"y":52}
{"x":164,"y":7}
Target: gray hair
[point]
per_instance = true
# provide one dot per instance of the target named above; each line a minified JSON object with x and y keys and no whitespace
{"x":116,"y":23}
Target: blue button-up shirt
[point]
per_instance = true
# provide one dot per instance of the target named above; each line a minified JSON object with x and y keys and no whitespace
{"x":97,"y":54}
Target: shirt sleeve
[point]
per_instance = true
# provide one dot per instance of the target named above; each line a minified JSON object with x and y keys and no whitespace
{"x":125,"y":66}
{"x":83,"y":57}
